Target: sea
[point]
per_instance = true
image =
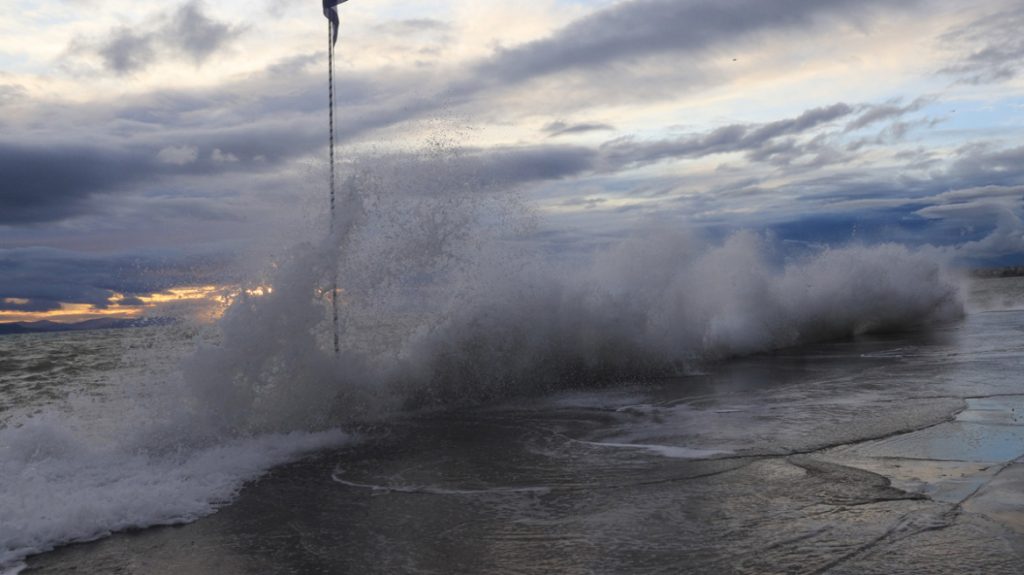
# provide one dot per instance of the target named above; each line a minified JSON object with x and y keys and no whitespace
{"x":880,"y":452}
{"x":494,"y":397}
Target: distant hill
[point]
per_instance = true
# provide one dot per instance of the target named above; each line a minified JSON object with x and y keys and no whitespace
{"x":1005,"y":272}
{"x":98,"y":323}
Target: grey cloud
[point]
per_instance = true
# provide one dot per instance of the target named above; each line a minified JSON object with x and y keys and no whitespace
{"x":758,"y":139}
{"x":45,"y":182}
{"x":31,"y":305}
{"x":536,"y":163}
{"x":45,"y":277}
{"x":560,"y":128}
{"x":192,"y":209}
{"x":413,"y":26}
{"x":126,"y":51}
{"x":490,"y":169}
{"x":187,"y":32}
{"x":195,"y":34}
{"x":978,"y":165}
{"x":641,"y":28}
{"x":294,"y":65}
{"x":70,"y":177}
{"x":585,"y":202}
{"x":803,"y":122}
{"x":1006,"y":239}
{"x":966,"y":211}
{"x":992,"y":48}
{"x":983,"y":193}
{"x":10,"y":93}
{"x":1007,"y":230}
{"x":52,"y":182}
{"x":774,"y":141}
{"x":889,"y":111}
{"x":384,"y":100}
{"x":918,"y":158}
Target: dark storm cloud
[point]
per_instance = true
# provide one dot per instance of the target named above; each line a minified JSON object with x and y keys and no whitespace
{"x":50,"y":183}
{"x":994,"y":47}
{"x":46,"y":277}
{"x":45,"y":182}
{"x":28,"y":305}
{"x":187,"y":32}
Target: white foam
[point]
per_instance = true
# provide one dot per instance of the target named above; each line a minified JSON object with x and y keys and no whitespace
{"x":59,"y":488}
{"x":338,"y":476}
{"x":670,"y":451}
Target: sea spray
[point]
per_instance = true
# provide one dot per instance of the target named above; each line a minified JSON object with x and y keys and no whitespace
{"x":615,"y":320}
{"x":444,"y":302}
{"x":446,"y":299}
{"x":132,"y":452}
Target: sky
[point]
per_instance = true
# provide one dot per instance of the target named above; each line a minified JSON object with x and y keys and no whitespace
{"x":144,"y":146}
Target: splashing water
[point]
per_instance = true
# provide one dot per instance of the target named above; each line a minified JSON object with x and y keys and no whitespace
{"x":443,"y":302}
{"x":445,"y":299}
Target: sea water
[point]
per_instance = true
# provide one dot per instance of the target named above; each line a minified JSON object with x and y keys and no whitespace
{"x":446,"y":300}
{"x":745,"y":464}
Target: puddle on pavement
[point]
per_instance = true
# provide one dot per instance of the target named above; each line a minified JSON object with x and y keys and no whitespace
{"x":967,"y":461}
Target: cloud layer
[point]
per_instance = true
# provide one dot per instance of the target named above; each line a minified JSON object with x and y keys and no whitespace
{"x":189,"y":127}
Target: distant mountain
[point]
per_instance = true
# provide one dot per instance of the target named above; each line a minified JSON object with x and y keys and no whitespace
{"x":1004,"y":272}
{"x":98,"y":323}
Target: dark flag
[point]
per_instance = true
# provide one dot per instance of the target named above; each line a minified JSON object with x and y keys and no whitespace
{"x":331,"y":11}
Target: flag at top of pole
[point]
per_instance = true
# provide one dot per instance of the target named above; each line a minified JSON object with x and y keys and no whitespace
{"x":331,"y":12}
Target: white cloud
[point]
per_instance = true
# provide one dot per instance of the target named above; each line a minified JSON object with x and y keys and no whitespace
{"x":223,"y":158}
{"x":178,"y":155}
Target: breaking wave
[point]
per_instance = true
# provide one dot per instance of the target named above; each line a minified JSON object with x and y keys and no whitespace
{"x":446,"y":298}
{"x":448,"y":294}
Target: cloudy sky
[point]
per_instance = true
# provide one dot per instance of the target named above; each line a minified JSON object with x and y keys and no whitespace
{"x":143,"y":146}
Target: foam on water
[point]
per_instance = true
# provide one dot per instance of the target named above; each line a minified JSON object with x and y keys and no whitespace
{"x":58,"y":488}
{"x":671,"y":451}
{"x":446,"y":298}
{"x":131,"y":453}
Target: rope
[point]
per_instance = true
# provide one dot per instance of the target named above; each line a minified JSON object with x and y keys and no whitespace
{"x":330,"y":92}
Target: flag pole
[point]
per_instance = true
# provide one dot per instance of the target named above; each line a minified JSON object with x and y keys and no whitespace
{"x":330,"y":11}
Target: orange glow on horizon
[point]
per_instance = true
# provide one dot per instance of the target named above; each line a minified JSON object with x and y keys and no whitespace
{"x":206,"y":302}
{"x":68,"y":313}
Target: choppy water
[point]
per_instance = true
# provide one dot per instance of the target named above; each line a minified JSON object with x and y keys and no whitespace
{"x":38,"y":369}
{"x":880,"y":454}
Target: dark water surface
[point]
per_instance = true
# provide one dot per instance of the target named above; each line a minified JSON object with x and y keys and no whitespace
{"x":887,"y":454}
